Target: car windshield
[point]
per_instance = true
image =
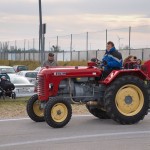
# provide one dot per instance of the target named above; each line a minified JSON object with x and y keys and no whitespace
{"x":31,"y":74}
{"x":7,"y":70}
{"x":20,"y":68}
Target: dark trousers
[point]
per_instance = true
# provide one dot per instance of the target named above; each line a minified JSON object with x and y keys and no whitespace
{"x":106,"y":73}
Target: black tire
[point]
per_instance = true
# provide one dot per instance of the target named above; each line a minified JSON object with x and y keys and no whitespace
{"x":66,"y":111}
{"x":101,"y":114}
{"x":112,"y":103}
{"x":31,"y":112}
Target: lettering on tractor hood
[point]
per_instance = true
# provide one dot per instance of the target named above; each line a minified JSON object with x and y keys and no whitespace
{"x":60,"y":73}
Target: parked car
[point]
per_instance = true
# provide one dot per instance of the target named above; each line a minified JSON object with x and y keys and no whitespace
{"x":20,"y":68}
{"x":22,"y":85}
{"x":7,"y":69}
{"x":30,"y":75}
{"x":38,"y":69}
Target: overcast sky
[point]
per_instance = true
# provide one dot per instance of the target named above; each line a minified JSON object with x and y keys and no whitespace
{"x":19,"y":18}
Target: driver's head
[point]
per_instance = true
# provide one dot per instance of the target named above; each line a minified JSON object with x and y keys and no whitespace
{"x":109,"y":45}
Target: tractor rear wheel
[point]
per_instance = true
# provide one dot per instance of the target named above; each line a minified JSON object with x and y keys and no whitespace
{"x":101,"y":114}
{"x":127,"y":100}
{"x":58,"y":112}
{"x":34,"y":110}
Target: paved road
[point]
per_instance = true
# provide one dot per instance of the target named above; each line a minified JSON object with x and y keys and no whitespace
{"x":82,"y":133}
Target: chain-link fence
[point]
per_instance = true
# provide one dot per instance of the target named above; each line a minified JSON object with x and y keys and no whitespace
{"x":83,"y":46}
{"x":143,"y":54}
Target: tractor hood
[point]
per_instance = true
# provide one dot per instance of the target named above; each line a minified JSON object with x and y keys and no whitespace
{"x":71,"y":71}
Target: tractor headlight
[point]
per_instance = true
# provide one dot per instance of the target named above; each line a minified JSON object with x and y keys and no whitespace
{"x":51,"y":86}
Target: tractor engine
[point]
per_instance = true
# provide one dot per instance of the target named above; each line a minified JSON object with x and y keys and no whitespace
{"x":81,"y":89}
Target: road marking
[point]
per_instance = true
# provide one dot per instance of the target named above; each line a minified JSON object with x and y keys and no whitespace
{"x":75,"y":137}
{"x":20,"y":119}
{"x":16,"y":119}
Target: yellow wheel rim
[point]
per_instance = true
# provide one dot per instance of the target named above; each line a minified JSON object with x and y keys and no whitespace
{"x":37,"y":110}
{"x":129,"y":100}
{"x":59,"y":112}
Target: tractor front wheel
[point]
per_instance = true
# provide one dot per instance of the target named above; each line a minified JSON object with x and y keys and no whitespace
{"x":58,"y":112}
{"x":127,"y":100}
{"x":34,"y":110}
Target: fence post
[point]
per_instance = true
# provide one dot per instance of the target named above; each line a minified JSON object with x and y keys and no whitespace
{"x":96,"y":53}
{"x":28,"y":44}
{"x":29,"y":55}
{"x":33,"y":43}
{"x":57,"y":42}
{"x":87,"y":41}
{"x":24,"y":48}
{"x":129,"y":40}
{"x":142,"y":54}
{"x":78,"y":55}
{"x":71,"y":48}
{"x":71,"y":42}
{"x":49,"y":45}
{"x":20,"y":56}
{"x":63,"y":56}
{"x":106,"y":36}
{"x":15,"y":45}
{"x":33,"y":56}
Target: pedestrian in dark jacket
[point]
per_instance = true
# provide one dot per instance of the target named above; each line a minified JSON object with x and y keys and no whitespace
{"x":112,"y":59}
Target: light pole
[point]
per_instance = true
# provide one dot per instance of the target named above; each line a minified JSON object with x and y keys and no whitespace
{"x":40,"y":33}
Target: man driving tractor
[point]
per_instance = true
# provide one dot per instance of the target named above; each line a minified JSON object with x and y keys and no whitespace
{"x":112,"y":59}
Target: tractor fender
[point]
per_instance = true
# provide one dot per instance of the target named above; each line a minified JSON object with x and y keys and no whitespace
{"x":118,"y":73}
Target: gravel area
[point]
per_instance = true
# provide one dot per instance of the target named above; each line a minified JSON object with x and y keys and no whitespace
{"x":17,"y":109}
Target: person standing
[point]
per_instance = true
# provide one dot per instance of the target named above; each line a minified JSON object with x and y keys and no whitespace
{"x":50,"y":61}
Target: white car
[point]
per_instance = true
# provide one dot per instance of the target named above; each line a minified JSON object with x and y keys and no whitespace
{"x":30,"y":75}
{"x":7,"y":69}
{"x":22,"y":85}
{"x":38,"y":69}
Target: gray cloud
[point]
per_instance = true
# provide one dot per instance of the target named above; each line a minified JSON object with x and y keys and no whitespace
{"x":20,"y":18}
{"x":76,"y":7}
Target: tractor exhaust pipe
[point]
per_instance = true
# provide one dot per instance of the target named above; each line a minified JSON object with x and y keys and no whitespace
{"x":92,"y":103}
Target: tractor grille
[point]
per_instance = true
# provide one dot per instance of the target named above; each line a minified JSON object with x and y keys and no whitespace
{"x":40,"y":87}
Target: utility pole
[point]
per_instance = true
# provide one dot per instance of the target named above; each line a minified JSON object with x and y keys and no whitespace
{"x":40,"y":33}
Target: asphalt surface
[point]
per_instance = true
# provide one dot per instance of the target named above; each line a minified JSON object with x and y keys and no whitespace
{"x":82,"y":133}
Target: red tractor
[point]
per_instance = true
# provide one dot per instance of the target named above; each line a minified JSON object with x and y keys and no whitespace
{"x":123,"y":95}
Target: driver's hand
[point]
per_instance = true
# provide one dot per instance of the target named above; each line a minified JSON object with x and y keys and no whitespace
{"x":104,"y":62}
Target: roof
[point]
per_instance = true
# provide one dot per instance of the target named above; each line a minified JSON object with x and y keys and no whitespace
{"x":25,"y":71}
{"x":6,"y":67}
